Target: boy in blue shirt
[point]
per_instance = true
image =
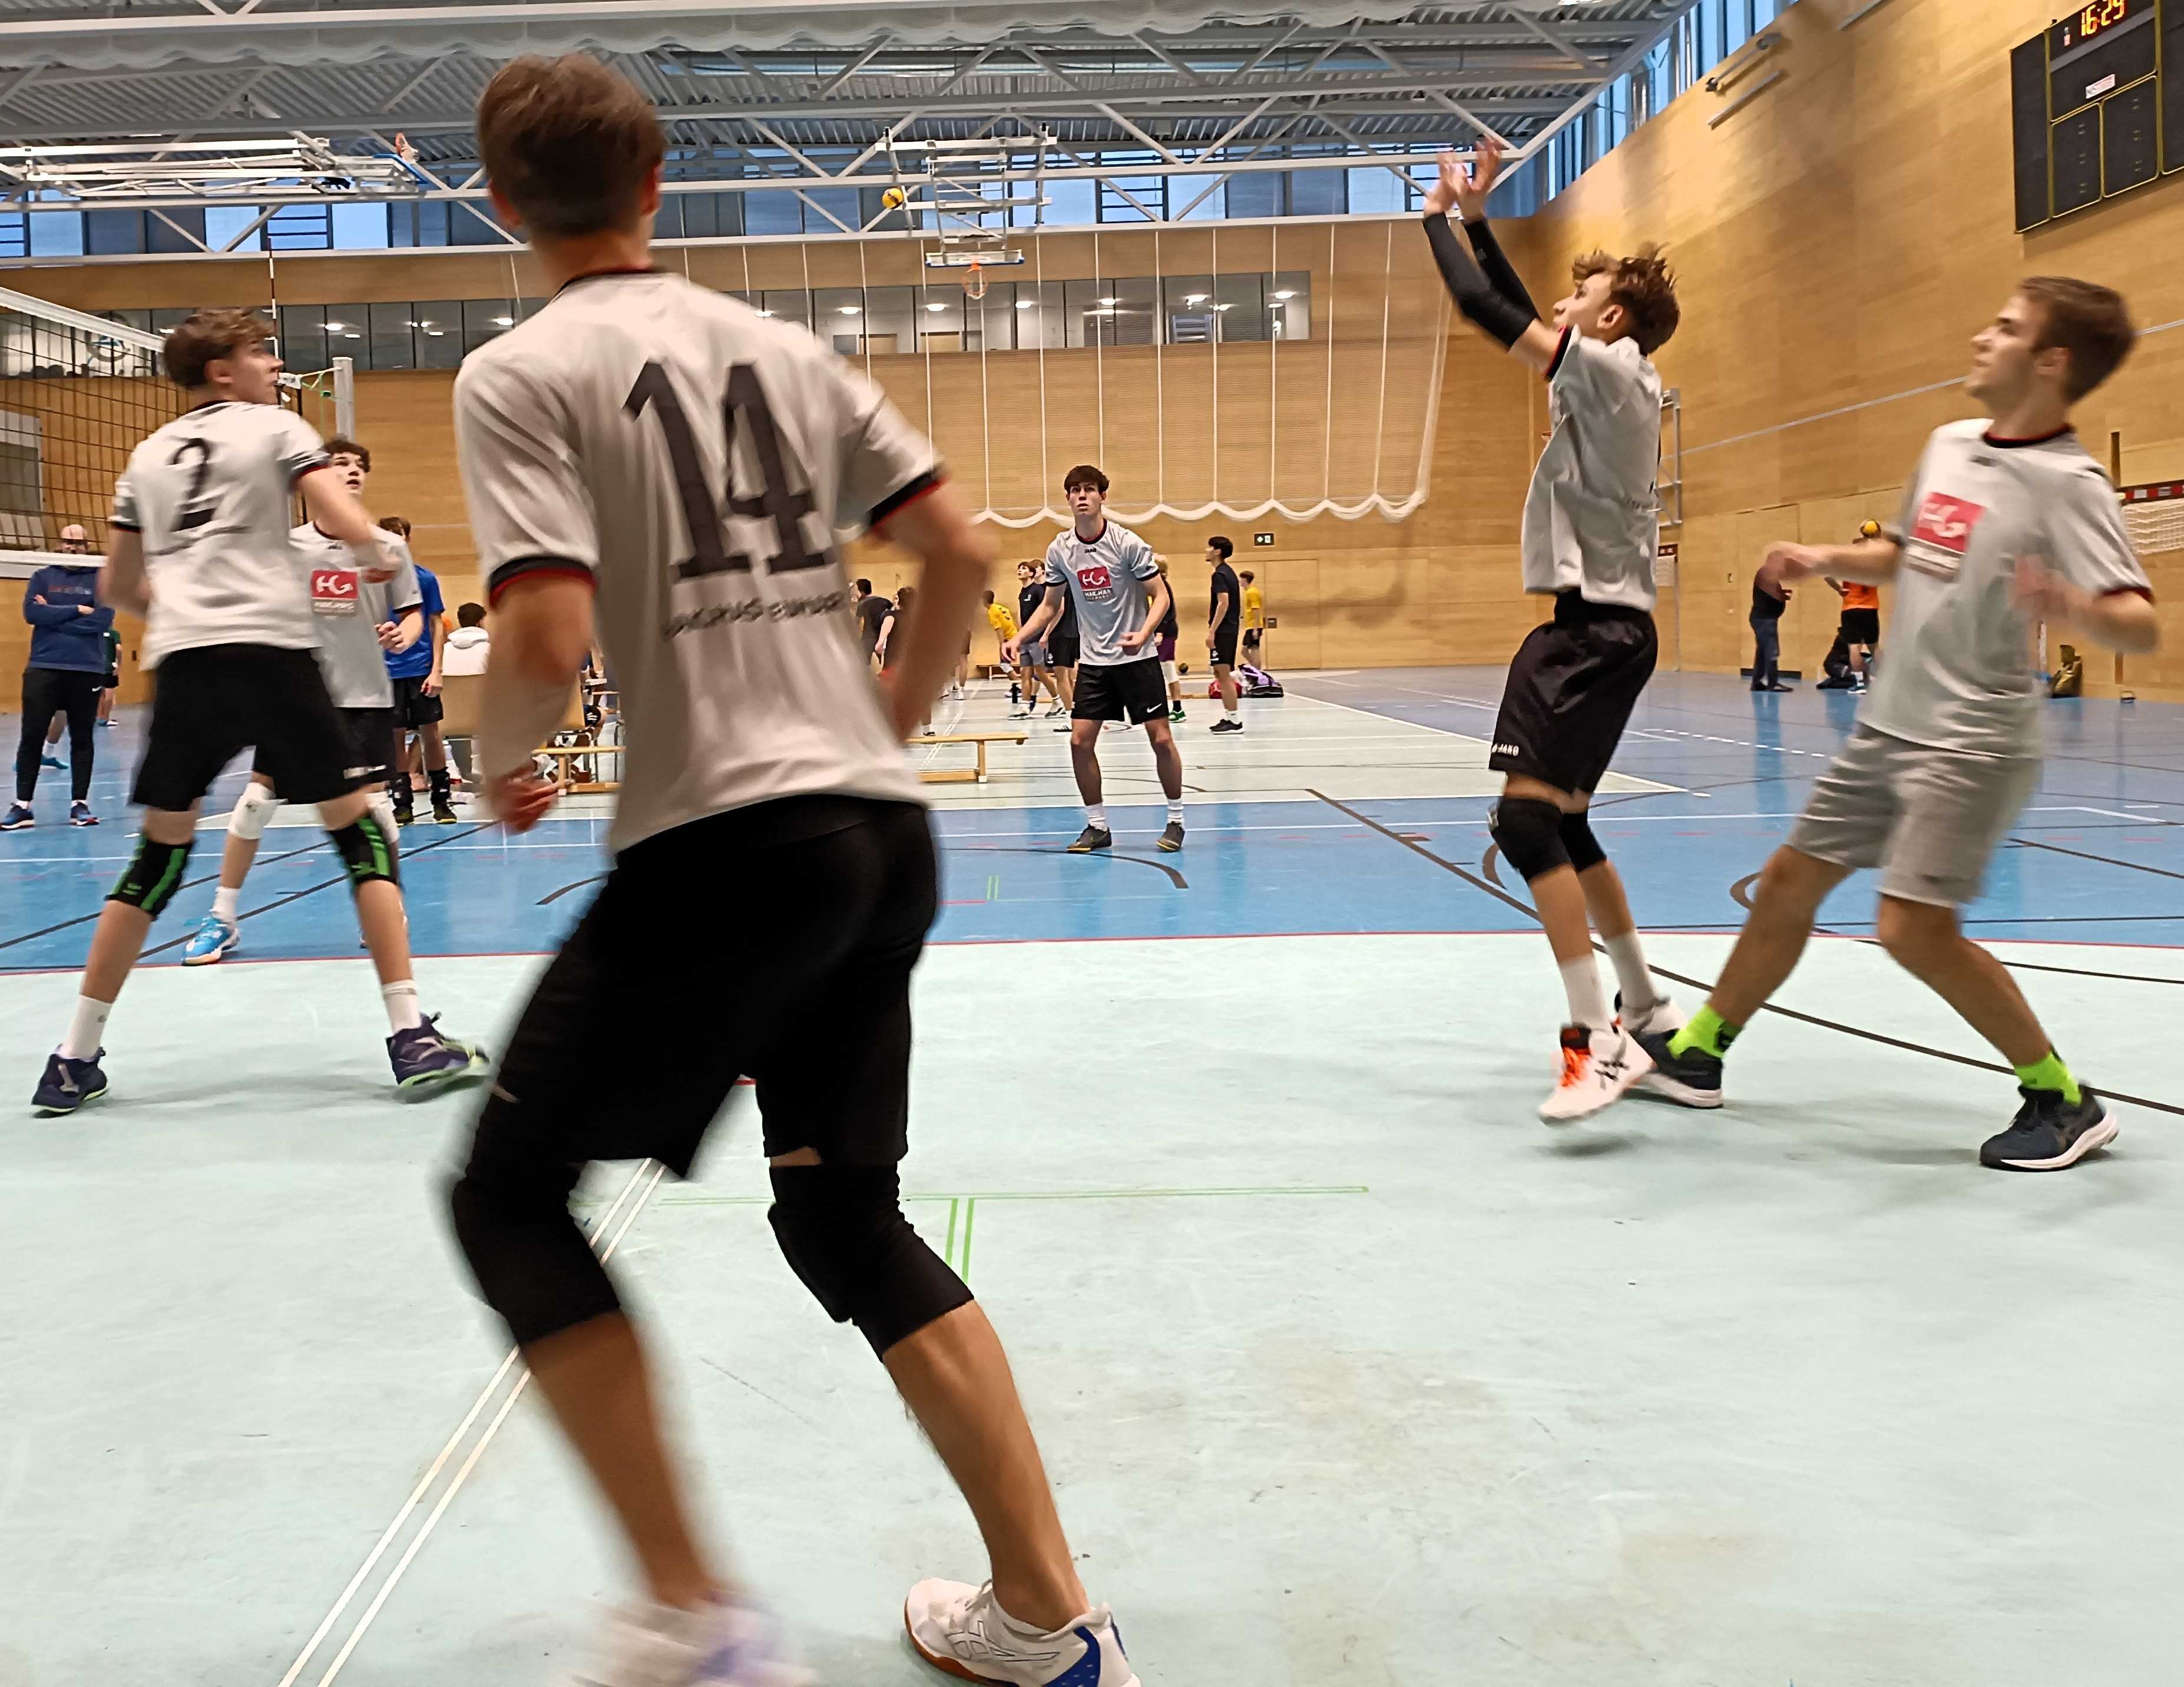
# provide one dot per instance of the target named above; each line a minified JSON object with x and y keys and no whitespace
{"x":417,"y":708}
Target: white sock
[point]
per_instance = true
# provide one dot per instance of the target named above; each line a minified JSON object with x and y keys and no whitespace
{"x":1638,"y":992}
{"x":1175,"y":811}
{"x":401,"y":1000}
{"x":85,"y":1030}
{"x":1095,"y":814}
{"x":1587,"y":1006}
{"x":223,"y":903}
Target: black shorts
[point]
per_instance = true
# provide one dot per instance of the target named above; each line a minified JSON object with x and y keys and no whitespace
{"x":213,"y":702}
{"x":1861,"y":626}
{"x":1063,"y":648}
{"x":1571,"y":690}
{"x":368,"y":744}
{"x":1135,"y":692}
{"x":1224,"y":647}
{"x":1250,"y":638}
{"x":412,"y":708}
{"x":774,"y":941}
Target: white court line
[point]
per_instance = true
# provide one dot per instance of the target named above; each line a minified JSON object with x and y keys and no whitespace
{"x":425,"y":1483}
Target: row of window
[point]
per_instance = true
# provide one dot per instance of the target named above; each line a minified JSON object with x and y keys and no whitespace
{"x":1127,"y":310}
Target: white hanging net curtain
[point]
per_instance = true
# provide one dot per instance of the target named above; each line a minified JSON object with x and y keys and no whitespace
{"x":1236,"y":371}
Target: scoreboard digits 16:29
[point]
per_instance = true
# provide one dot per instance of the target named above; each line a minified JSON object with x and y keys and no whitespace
{"x":2099,"y":103}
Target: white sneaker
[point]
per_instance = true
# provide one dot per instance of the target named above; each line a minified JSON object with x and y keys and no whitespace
{"x":1663,"y":1019}
{"x":1597,"y":1067}
{"x":726,"y":1645}
{"x":963,"y":1631}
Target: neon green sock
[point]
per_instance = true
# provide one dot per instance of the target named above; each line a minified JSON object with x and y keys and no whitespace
{"x":2050,"y":1073}
{"x":1708,"y":1031}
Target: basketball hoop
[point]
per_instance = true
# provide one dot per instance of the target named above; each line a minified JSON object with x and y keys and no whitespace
{"x":974,"y":282}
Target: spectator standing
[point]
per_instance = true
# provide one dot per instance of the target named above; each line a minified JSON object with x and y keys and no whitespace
{"x":871,"y":611}
{"x":67,"y":660}
{"x":416,"y":673}
{"x":469,"y":644}
{"x":1769,"y":598}
{"x":1254,"y":622}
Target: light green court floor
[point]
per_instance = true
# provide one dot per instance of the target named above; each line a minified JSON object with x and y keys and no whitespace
{"x":1349,"y":1371}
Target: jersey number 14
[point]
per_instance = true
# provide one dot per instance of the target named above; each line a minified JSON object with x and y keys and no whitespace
{"x":744,"y":406}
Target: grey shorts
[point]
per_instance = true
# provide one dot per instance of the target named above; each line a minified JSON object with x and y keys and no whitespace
{"x":1033,"y":656}
{"x":1928,"y":818}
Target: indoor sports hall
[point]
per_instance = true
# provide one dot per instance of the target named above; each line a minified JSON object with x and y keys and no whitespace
{"x":1346,"y":1368}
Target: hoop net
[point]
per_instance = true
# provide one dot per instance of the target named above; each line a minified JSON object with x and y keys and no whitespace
{"x":974,"y":282}
{"x":2153,"y":515}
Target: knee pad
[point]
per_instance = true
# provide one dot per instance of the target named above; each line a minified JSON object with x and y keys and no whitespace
{"x":842,"y":1230}
{"x":381,"y":808}
{"x":510,"y":1209}
{"x":1529,"y":833}
{"x":1579,"y":843}
{"x":253,"y":809}
{"x":153,"y":875}
{"x":367,"y":850}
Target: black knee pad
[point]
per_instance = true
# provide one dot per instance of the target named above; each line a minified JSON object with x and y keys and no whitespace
{"x":1582,"y":848}
{"x":153,"y":875}
{"x":510,"y":1208}
{"x":842,"y":1229}
{"x":1529,"y":833}
{"x":368,"y":852}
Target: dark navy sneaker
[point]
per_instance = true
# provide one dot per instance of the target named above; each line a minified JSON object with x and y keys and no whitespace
{"x":1691,"y":1079}
{"x":2050,"y":1133}
{"x":68,"y":1084}
{"x":80,"y":814}
{"x":17,"y":816}
{"x":1092,"y":837}
{"x":1171,"y":838}
{"x":423,"y":1056}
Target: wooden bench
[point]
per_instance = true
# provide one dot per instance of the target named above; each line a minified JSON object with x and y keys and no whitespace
{"x":963,"y":775}
{"x":586,"y":787}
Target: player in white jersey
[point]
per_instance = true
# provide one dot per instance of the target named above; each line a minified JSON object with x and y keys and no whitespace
{"x":355,"y":617}
{"x":2006,"y":525}
{"x":1590,"y":534}
{"x":1111,"y":579}
{"x":656,"y":461}
{"x":201,"y":549}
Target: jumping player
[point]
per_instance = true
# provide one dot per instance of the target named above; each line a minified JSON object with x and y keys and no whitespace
{"x":2006,"y":525}
{"x":200,"y":548}
{"x":1110,"y":577}
{"x":357,"y":619}
{"x":1590,"y":531}
{"x":658,"y":459}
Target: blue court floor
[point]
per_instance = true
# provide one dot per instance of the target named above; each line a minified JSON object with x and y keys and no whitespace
{"x":1347,"y":1370}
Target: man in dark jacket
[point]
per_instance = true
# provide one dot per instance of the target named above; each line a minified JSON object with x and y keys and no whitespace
{"x":67,"y":667}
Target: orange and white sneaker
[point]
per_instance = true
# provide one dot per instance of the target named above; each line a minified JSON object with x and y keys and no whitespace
{"x":963,"y":1631}
{"x":1597,"y":1066}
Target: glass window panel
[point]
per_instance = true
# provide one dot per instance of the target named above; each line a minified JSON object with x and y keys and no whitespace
{"x":485,"y":318}
{"x":1071,"y":202}
{"x":57,"y":234}
{"x":114,"y":230}
{"x":472,"y":225}
{"x":1318,"y":192}
{"x":1187,"y":305}
{"x":729,"y":213}
{"x":1241,"y":302}
{"x":1184,"y":190}
{"x":1087,"y":317}
{"x":774,"y":211}
{"x":163,"y":320}
{"x":359,"y":228}
{"x":1289,"y":304}
{"x":401,"y":225}
{"x":1256,"y":193}
{"x":793,"y":305}
{"x":840,"y":202}
{"x":132,"y":319}
{"x":439,"y":324}
{"x":993,"y":320}
{"x":1042,"y":317}
{"x":699,"y":214}
{"x":838,"y":317}
{"x":940,"y":318}
{"x":1135,"y":311}
{"x":303,"y":336}
{"x":391,"y":336}
{"x":1376,"y":191}
{"x":890,"y":319}
{"x":160,"y":235}
{"x":433,"y":222}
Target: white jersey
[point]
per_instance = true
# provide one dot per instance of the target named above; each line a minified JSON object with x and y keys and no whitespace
{"x":1109,"y":579}
{"x":209,"y":492}
{"x":1592,"y":518}
{"x":347,"y":610}
{"x":695,"y":460}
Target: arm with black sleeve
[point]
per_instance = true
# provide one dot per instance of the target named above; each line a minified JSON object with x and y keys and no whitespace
{"x":1502,"y":318}
{"x":1495,"y":264}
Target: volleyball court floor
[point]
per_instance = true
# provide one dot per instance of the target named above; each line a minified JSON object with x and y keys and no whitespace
{"x":1347,"y":1369}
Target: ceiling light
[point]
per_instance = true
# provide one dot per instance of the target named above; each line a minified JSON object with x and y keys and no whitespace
{"x":336,"y":327}
{"x":1110,"y":301}
{"x":1026,"y":304}
{"x":852,"y":310}
{"x":766,"y":313}
{"x":498,"y":322}
{"x":936,"y":307}
{"x":1286,"y":292}
{"x":436,"y":333}
{"x":1193,"y":298}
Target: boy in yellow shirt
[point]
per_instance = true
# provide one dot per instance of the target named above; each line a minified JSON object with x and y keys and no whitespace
{"x":1255,"y":622}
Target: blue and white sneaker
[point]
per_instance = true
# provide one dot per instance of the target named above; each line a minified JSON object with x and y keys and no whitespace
{"x":724,"y":1646}
{"x":963,"y":1631}
{"x":18,"y":815}
{"x":49,"y":759}
{"x":68,"y":1084}
{"x":210,"y":938}
{"x":80,"y":814}
{"x":423,"y":1056}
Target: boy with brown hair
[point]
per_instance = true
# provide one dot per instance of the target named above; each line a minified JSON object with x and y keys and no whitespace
{"x":2006,"y":524}
{"x":655,"y":459}
{"x":1591,"y":529}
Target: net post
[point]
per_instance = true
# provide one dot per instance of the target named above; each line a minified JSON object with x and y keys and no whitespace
{"x":345,"y":396}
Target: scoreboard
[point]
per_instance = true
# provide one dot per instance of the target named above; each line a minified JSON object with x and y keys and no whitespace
{"x":2098,"y":101}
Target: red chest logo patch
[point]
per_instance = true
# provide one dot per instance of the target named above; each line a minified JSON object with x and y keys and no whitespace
{"x":333,"y":591}
{"x":1096,"y":578}
{"x":1946,"y":522}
